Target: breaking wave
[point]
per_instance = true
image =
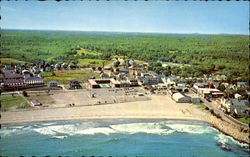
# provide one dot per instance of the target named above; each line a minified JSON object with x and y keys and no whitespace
{"x":59,"y":130}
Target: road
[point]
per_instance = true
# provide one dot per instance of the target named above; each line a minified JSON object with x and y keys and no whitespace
{"x":224,"y":116}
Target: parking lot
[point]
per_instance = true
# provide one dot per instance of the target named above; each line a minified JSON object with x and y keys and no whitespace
{"x":86,"y":97}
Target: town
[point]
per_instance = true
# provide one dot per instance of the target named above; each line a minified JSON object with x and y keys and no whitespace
{"x":120,"y":81}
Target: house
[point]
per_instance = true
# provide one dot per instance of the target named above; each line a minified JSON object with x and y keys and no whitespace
{"x":170,"y":82}
{"x":26,"y":73}
{"x":124,"y":83}
{"x":53,"y":84}
{"x":180,"y":98}
{"x":75,"y":84}
{"x":196,"y":86}
{"x":133,"y":82}
{"x":132,"y":62}
{"x":57,"y":66}
{"x":234,"y":107}
{"x":148,"y":80}
{"x":124,"y":71}
{"x":181,"y":88}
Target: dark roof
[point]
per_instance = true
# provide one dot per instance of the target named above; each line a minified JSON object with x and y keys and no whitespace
{"x":12,"y":81}
{"x":33,"y":79}
{"x":8,"y":74}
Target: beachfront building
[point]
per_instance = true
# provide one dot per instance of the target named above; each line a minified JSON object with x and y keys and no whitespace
{"x":75,"y":84}
{"x":34,"y":82}
{"x":103,"y":83}
{"x":53,"y":84}
{"x":207,"y":90}
{"x":235,"y":107}
{"x":180,"y":98}
{"x":14,"y":81}
{"x":194,"y":98}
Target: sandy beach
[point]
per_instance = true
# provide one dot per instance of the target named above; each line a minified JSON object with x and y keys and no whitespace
{"x":159,"y":107}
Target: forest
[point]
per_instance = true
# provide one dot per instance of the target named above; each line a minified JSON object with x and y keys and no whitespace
{"x":206,"y":54}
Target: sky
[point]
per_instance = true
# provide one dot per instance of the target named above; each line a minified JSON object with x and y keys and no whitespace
{"x":128,"y":16}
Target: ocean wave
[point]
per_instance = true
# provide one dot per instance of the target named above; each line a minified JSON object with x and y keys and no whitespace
{"x":150,"y":128}
{"x":8,"y":131}
{"x":191,"y":128}
{"x":92,"y":131}
{"x":225,"y":140}
{"x":57,"y":129}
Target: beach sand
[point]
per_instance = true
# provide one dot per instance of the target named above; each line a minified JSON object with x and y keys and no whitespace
{"x":159,"y":107}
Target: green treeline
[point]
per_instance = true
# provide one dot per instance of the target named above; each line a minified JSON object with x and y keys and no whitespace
{"x":207,"y":54}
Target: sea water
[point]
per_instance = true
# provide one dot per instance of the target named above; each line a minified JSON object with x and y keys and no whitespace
{"x":145,"y":138}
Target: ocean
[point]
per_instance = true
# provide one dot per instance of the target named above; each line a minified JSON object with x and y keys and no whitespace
{"x":118,"y":138}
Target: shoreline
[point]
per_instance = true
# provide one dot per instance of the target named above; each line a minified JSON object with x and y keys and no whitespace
{"x":159,"y":108}
{"x":131,"y":118}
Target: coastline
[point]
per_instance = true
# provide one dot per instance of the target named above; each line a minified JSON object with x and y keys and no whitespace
{"x":160,"y":107}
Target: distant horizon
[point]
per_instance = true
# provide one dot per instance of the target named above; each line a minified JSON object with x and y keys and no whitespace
{"x":24,"y":29}
{"x":172,"y":17}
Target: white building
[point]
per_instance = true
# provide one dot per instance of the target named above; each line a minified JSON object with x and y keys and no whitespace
{"x":234,"y":106}
{"x":180,"y":98}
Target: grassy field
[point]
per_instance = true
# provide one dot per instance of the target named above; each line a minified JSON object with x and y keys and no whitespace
{"x":44,"y":99}
{"x":87,"y":52}
{"x":13,"y":102}
{"x":9,"y":61}
{"x":93,"y":62}
{"x":245,"y":120}
{"x":64,"y":76}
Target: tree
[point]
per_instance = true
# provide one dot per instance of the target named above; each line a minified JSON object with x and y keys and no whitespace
{"x":221,"y":87}
{"x":25,"y":94}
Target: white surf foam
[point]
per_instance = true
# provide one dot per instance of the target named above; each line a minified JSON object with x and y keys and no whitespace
{"x":191,"y":128}
{"x":150,"y":128}
{"x":92,"y":131}
{"x":224,"y":140}
{"x":8,"y":131}
{"x":52,"y":130}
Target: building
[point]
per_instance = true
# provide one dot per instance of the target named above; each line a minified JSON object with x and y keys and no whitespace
{"x":180,"y":98}
{"x":17,"y":81}
{"x":235,"y":107}
{"x":103,"y":83}
{"x":74,"y":84}
{"x":194,"y":98}
{"x":149,"y":80}
{"x":12,"y":80}
{"x":53,"y":84}
{"x":203,"y":90}
{"x":133,"y":82}
{"x":34,"y":82}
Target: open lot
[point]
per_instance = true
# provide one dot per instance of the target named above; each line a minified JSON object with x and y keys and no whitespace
{"x":64,"y":76}
{"x":93,"y":62}
{"x":83,"y":97}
